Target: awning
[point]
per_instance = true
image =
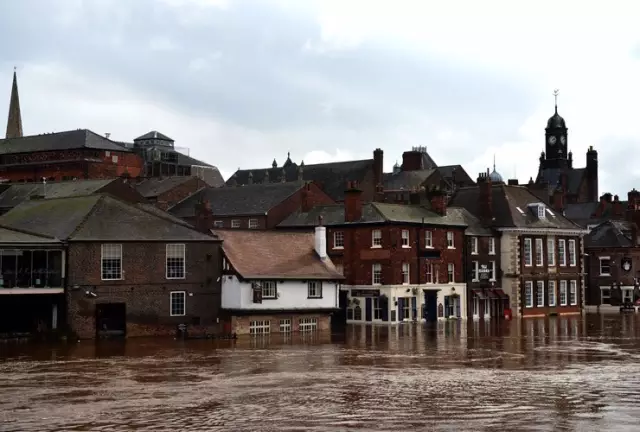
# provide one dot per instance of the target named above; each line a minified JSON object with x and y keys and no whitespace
{"x":478,"y":293}
{"x":491,"y":294}
{"x":500,"y":293}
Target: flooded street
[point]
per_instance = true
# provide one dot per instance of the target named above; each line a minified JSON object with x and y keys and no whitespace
{"x":579,"y":373}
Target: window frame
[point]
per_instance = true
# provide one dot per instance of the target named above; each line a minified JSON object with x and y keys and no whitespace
{"x":562,"y":291}
{"x":492,"y":245}
{"x":218,"y":224}
{"x":235,"y":223}
{"x":406,"y":238}
{"x":376,"y":235}
{"x":317,"y":287}
{"x":171,"y":303}
{"x":539,"y":252}
{"x":451,"y":243}
{"x":119,"y":248}
{"x":274,"y":286}
{"x":573,"y":292}
{"x":551,"y":289}
{"x":528,"y":294}
{"x":474,"y":245}
{"x":428,"y":239}
{"x":338,"y":239}
{"x":168,"y":246}
{"x":540,"y":293}
{"x":376,"y":269}
{"x":604,"y":258}
{"x":573,"y":257}
{"x":551,"y":252}
{"x":528,"y":244}
{"x":406,"y":273}
{"x":475,"y":269}
{"x":493,"y":276}
{"x":562,"y":253}
{"x":451,"y":273}
{"x":253,"y":224}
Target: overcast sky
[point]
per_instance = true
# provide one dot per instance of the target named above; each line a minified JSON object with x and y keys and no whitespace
{"x":241,"y":82}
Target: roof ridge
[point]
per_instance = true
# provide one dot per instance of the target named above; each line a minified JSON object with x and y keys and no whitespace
{"x":203,"y":188}
{"x":86,"y":216}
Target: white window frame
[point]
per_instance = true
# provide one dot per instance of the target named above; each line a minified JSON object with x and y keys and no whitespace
{"x":604,"y":258}
{"x":338,"y":239}
{"x":451,"y":273}
{"x":376,"y":270}
{"x":450,"y":240}
{"x":253,"y":223}
{"x":573,"y":292}
{"x":307,"y":324}
{"x":376,"y":238}
{"x":528,"y":252}
{"x":314,"y":289}
{"x":563,"y":295}
{"x":218,"y":224}
{"x":259,"y":327}
{"x":406,"y":275}
{"x":405,"y":239}
{"x":175,"y":296}
{"x":551,"y":293}
{"x":562,"y":253}
{"x":176,"y":252}
{"x":541,"y":211}
{"x":492,"y":245}
{"x":475,"y":268}
{"x":539,"y":252}
{"x":540,"y":294}
{"x":551,"y":252}
{"x":573,"y":259}
{"x":528,"y":294}
{"x":428,"y":239}
{"x":474,"y":245}
{"x":429,"y":273}
{"x":267,"y":287}
{"x":110,"y":252}
{"x":603,"y":297}
{"x":492,"y":277}
{"x":285,"y":325}
{"x":235,"y":223}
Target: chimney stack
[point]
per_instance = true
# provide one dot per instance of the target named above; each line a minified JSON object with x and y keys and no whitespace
{"x":306,"y":204}
{"x":378,"y":167}
{"x":321,"y":239}
{"x":204,"y":216}
{"x":352,"y":202}
{"x":485,"y":205}
{"x":412,"y":160}
{"x":617,"y":210}
{"x":557,"y":200}
{"x":438,"y":201}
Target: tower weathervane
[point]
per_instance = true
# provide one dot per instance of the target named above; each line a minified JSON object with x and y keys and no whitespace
{"x":555,"y":95}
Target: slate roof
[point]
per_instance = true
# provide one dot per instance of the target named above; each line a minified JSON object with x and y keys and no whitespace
{"x":551,"y":176}
{"x":406,"y":180}
{"x":610,"y":234}
{"x":153,"y":135}
{"x":582,"y":213}
{"x":248,"y":200}
{"x":152,"y":187}
{"x":374,"y":213}
{"x":9,"y":236}
{"x":97,"y":217}
{"x":16,"y":193}
{"x":276,"y":254}
{"x":68,"y":140}
{"x":511,"y":208}
{"x":331,"y":177}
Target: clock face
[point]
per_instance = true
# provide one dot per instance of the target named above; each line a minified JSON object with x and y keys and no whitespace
{"x":552,"y":140}
{"x":563,"y":140}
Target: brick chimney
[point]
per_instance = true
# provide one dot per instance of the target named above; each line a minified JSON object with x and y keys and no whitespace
{"x":379,"y":195}
{"x":617,"y":210}
{"x":557,"y":200}
{"x":320,"y":241}
{"x":438,"y":201}
{"x":607,"y":197}
{"x":412,"y":160}
{"x":204,"y":216}
{"x":306,"y":202}
{"x":633,"y":199}
{"x":378,"y":166}
{"x":352,"y":202}
{"x":485,"y":206}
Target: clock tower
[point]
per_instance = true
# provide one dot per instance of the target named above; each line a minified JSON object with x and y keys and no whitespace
{"x":556,"y":154}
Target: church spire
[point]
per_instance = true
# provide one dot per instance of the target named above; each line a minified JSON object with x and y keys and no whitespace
{"x":14,"y":122}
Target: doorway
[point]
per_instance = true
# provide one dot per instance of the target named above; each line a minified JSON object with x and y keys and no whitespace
{"x":111,"y":320}
{"x":430,"y":308}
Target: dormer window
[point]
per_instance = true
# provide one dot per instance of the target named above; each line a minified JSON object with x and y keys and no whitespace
{"x":541,"y":213}
{"x":539,"y":209}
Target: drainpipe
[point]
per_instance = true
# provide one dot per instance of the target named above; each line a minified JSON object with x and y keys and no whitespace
{"x":465,"y":267}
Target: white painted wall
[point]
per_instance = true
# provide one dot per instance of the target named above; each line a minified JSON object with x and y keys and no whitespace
{"x":291,"y":295}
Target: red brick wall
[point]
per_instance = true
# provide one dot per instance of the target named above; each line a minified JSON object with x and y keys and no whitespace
{"x":280,"y":212}
{"x":357,"y":257}
{"x":240,"y":324}
{"x":145,"y":289}
{"x":616,"y":255}
{"x":178,"y":193}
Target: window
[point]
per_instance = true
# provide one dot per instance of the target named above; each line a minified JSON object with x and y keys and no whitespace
{"x":551,"y":252}
{"x":552,"y":292}
{"x":450,"y":243}
{"x":218,"y":224}
{"x":563,"y":293}
{"x":314,"y":289}
{"x":377,"y":274}
{"x":573,"y":292}
{"x":492,"y":246}
{"x":528,"y":294}
{"x":376,"y":238}
{"x":377,"y":311}
{"x":572,"y":253}
{"x":405,"y":239}
{"x":605,"y":295}
{"x":541,"y":210}
{"x":308,"y":324}
{"x":475,"y":274}
{"x":405,"y":273}
{"x":253,"y":223}
{"x":178,"y":303}
{"x":429,"y":272}
{"x":285,"y":325}
{"x":428,"y":239}
{"x":540,"y":293}
{"x":269,"y":290}
{"x":451,"y":273}
{"x":406,"y":308}
{"x":114,"y":159}
{"x":562,"y":257}
{"x":235,"y":223}
{"x":474,"y":245}
{"x":436,"y":273}
{"x":527,"y":252}
{"x":492,"y":273}
{"x":539,"y":252}
{"x":175,"y":261}
{"x":111,"y":262}
{"x":338,"y":240}
{"x":260,"y":327}
{"x":605,"y":266}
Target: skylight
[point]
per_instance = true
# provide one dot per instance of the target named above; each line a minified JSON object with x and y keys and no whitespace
{"x":520,"y":210}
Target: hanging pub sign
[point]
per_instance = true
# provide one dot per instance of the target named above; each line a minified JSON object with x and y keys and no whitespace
{"x":626,"y":264}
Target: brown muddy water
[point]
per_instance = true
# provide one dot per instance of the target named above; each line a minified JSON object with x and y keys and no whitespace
{"x":559,"y":374}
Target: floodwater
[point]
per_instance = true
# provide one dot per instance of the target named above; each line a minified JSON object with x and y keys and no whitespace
{"x":557,"y":374}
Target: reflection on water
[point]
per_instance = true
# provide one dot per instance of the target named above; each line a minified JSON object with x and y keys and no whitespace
{"x":579,"y":373}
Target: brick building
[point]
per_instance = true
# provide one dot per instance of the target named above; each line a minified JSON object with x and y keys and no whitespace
{"x":401,"y":262}
{"x":541,"y":250}
{"x":256,"y":206}
{"x":130,"y":270}
{"x":165,"y":192}
{"x":277,"y":282}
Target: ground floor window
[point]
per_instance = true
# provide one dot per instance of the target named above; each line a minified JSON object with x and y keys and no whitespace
{"x":452,"y":306}
{"x":605,"y":295}
{"x":476,"y":306}
{"x":528,"y":294}
{"x":357,"y":313}
{"x":285,"y":325}
{"x":377,"y":311}
{"x":627,"y":295}
{"x":178,"y":300}
{"x":573,"y":293}
{"x":406,"y":308}
{"x":260,"y":327}
{"x":308,"y":324}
